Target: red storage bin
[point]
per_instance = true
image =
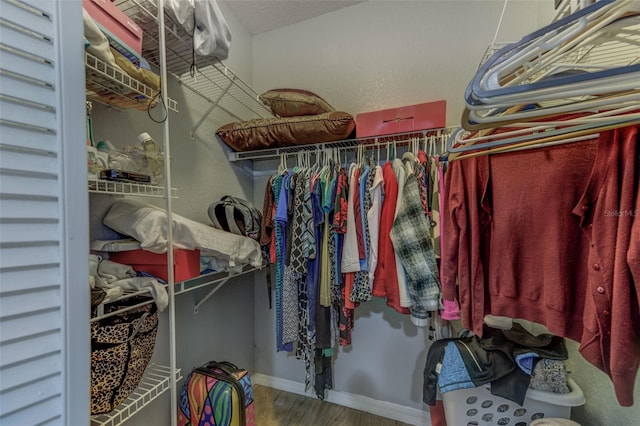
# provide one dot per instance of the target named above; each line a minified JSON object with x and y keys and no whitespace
{"x":429,"y":115}
{"x":123,"y":33}
{"x":186,"y":263}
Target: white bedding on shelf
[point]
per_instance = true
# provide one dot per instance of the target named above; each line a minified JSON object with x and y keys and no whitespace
{"x":148,"y":224}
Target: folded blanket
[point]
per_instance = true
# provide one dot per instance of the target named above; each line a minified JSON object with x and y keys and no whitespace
{"x":148,"y":224}
{"x":110,"y":272}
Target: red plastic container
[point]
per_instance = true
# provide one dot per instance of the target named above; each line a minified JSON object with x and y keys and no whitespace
{"x":186,"y":263}
{"x":122,"y":31}
{"x":429,"y":115}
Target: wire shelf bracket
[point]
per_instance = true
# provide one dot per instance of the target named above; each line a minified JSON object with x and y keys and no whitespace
{"x":218,"y":279}
{"x":219,"y":86}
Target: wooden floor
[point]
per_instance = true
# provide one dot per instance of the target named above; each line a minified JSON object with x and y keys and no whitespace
{"x":278,"y":408}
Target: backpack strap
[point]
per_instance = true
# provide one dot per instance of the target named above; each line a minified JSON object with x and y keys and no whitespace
{"x":252,"y":216}
{"x":229,"y":214}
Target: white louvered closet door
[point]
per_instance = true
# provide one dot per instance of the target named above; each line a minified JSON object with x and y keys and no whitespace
{"x":44,"y":301}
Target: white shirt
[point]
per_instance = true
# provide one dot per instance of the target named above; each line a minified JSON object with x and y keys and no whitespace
{"x":350,"y":254}
{"x":373,"y":219}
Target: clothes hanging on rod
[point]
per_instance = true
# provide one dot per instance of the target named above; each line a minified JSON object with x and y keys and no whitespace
{"x":280,"y":182}
{"x":539,"y":134}
{"x":538,"y":233}
{"x":327,"y":228}
{"x":385,"y":282}
{"x":553,"y":244}
{"x":413,"y":245}
{"x":401,"y":176}
{"x":373,"y":218}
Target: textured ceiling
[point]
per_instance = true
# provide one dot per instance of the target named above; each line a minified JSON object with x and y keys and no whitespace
{"x":264,"y":15}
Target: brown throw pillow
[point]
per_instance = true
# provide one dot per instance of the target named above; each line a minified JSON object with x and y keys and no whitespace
{"x":278,"y":132}
{"x":295,"y":102}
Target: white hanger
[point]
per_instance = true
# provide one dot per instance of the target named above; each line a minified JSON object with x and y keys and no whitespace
{"x":521,"y":60}
{"x":486,"y":88}
{"x":604,"y":118}
{"x":609,"y":102}
{"x":606,"y":99}
{"x":526,"y":146}
{"x":282,"y":167}
{"x":575,"y":127}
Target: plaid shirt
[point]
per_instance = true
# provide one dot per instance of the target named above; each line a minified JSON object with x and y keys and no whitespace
{"x":413,"y":245}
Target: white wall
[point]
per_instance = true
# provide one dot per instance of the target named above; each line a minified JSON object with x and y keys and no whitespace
{"x":384,"y":54}
{"x":601,"y":407}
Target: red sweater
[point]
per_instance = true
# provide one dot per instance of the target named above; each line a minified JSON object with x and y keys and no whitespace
{"x":548,"y":235}
{"x":385,"y":283}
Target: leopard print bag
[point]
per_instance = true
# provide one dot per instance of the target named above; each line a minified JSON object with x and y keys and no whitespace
{"x":121,"y":347}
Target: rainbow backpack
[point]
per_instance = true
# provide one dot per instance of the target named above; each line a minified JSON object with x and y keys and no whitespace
{"x":216,"y":394}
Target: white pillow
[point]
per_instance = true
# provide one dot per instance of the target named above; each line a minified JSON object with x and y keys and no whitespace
{"x":148,"y":224}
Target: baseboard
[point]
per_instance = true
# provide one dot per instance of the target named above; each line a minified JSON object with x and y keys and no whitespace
{"x":386,"y":409}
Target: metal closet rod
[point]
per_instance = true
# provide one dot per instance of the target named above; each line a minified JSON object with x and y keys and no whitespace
{"x":369,"y":143}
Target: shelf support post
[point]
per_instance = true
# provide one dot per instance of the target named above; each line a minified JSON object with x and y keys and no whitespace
{"x":167,"y":179}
